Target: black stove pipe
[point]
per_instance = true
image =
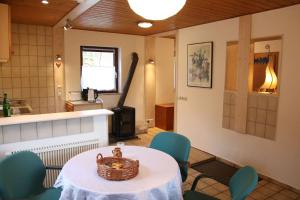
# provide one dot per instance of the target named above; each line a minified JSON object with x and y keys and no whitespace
{"x":135,"y":59}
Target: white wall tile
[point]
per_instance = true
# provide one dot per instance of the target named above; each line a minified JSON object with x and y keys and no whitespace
{"x":271,"y":118}
{"x":23,"y":28}
{"x":24,"y":61}
{"x":232,"y":111}
{"x":32,"y":39}
{"x":262,"y":102}
{"x":14,"y":28}
{"x":73,"y":126}
{"x":49,"y":31}
{"x":270,"y":132}
{"x":28,"y":132}
{"x":261,"y":116}
{"x":23,"y":38}
{"x":41,"y":52}
{"x":232,"y":99}
{"x":272,"y":103}
{"x":260,"y":130}
{"x":251,"y":114}
{"x":227,"y":97}
{"x":87,"y":124}
{"x":232,"y":123}
{"x":1,"y":135}
{"x":32,"y":50}
{"x":41,"y":40}
{"x":252,"y":101}
{"x":16,"y":50}
{"x":59,"y":128}
{"x":226,"y":122}
{"x":226,"y":110}
{"x":24,"y":50}
{"x":48,"y":40}
{"x":32,"y":29}
{"x":15,"y":39}
{"x":11,"y":134}
{"x":251,"y":128}
{"x":44,"y":129}
{"x":41,"y":30}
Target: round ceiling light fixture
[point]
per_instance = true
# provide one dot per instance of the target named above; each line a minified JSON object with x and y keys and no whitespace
{"x":45,"y":2}
{"x":156,"y":9}
{"x":145,"y":24}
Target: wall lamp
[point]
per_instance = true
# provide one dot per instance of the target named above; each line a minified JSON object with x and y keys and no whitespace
{"x":270,"y":84}
{"x":151,"y":61}
{"x":68,"y":25}
{"x":58,"y":60}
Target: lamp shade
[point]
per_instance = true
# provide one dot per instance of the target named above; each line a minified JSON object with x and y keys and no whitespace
{"x":270,"y":83}
{"x":156,"y":9}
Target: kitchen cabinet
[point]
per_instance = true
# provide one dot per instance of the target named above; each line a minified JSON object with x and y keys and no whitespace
{"x":82,"y":105}
{"x":5,"y":32}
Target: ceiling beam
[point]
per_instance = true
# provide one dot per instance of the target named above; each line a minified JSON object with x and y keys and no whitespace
{"x":83,"y":6}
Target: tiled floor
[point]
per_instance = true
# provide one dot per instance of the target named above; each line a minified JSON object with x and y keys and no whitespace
{"x":264,"y":190}
{"x":145,"y":139}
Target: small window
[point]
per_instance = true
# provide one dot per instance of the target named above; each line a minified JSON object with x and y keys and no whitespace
{"x":99,"y":68}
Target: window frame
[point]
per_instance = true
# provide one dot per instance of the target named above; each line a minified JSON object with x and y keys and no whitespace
{"x":116,"y":63}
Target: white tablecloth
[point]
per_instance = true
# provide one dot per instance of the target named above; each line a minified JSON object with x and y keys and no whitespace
{"x":158,"y":179}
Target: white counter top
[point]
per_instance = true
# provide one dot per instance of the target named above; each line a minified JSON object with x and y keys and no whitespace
{"x":23,"y":119}
{"x":83,"y":103}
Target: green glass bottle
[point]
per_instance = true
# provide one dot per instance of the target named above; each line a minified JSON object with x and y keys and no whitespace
{"x":6,"y":107}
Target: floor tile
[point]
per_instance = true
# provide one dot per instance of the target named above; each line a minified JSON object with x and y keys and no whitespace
{"x":210,"y":191}
{"x":223,"y":196}
{"x":265,"y":189}
{"x":290,"y":194}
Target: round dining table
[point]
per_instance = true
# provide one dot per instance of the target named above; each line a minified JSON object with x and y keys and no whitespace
{"x":158,"y":178}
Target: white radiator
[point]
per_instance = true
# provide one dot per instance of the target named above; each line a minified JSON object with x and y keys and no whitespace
{"x":58,"y":155}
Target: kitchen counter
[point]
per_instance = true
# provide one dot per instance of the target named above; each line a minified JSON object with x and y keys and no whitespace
{"x":33,"y":131}
{"x":22,"y":119}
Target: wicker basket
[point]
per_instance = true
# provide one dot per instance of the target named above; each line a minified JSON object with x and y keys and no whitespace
{"x":116,"y":168}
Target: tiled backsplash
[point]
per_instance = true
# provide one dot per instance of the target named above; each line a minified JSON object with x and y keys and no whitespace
{"x":261,"y":114}
{"x":47,"y":129}
{"x":29,"y":74}
{"x":229,"y":110}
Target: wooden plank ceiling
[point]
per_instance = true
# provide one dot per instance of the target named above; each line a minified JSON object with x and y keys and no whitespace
{"x":116,"y":15}
{"x":34,"y":12}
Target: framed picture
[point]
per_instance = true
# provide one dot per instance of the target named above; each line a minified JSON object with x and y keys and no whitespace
{"x":199,"y":64}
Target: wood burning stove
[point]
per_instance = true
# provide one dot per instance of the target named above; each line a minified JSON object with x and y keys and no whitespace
{"x":123,"y":120}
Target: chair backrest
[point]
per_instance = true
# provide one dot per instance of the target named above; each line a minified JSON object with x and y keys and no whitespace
{"x":242,"y":183}
{"x":21,"y":175}
{"x":176,"y":145}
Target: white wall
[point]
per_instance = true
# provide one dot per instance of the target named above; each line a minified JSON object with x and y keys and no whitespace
{"x":128,"y":44}
{"x":260,"y":47}
{"x":200,"y":117}
{"x":164,"y":63}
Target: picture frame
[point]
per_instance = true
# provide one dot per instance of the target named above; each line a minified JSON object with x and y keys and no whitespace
{"x":200,"y":64}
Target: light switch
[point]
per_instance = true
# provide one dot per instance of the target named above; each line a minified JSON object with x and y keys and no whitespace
{"x":59,"y":90}
{"x":182,"y":98}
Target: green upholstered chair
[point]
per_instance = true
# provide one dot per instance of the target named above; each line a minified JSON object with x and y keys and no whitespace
{"x":21,"y":177}
{"x":241,"y":184}
{"x":177,"y":146}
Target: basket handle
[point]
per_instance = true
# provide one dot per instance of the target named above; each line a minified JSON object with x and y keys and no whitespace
{"x":99,"y":155}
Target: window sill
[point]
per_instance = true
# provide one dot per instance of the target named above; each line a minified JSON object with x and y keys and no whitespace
{"x":110,"y":93}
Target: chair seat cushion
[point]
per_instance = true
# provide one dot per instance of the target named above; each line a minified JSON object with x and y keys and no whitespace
{"x":192,"y":195}
{"x":49,"y":194}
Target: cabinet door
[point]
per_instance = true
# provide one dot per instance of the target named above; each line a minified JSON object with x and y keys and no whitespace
{"x":4,"y":32}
